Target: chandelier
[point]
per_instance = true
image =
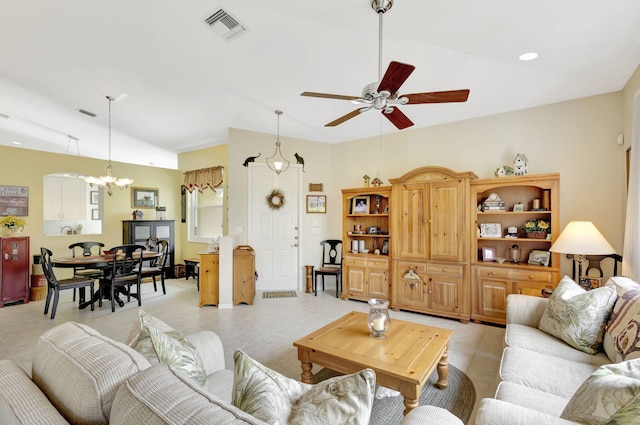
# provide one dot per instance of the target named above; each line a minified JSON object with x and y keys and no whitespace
{"x":109,"y":182}
{"x":277,"y":162}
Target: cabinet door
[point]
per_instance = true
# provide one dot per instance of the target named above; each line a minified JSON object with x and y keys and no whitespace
{"x":529,"y":288}
{"x":74,"y":199}
{"x":208,"y":277}
{"x":411,"y":288}
{"x":14,"y":277}
{"x":446,"y":212}
{"x":355,"y":281}
{"x":378,"y":283}
{"x":445,"y":293}
{"x":412,"y":224}
{"x":492,"y":297}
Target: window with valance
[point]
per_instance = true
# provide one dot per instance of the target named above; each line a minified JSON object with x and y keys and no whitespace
{"x":203,"y":178}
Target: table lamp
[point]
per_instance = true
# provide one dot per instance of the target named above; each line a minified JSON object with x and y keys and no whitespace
{"x":581,"y":238}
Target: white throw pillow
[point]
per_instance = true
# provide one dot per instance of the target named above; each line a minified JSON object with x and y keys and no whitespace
{"x":611,"y":395}
{"x":577,"y":316}
{"x":160,"y":343}
{"x":276,"y":399}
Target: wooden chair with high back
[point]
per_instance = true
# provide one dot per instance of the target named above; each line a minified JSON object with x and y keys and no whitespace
{"x":594,"y":262}
{"x":331,"y":265}
{"x":86,"y":249}
{"x":55,"y":285}
{"x":125,"y":270}
{"x":158,"y":264}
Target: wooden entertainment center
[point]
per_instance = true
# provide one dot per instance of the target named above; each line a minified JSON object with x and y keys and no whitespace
{"x":436,"y":261}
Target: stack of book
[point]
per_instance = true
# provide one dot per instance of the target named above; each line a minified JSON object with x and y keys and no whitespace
{"x":493,"y":205}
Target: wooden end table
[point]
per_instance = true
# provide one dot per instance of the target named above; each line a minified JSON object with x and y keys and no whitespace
{"x":403,"y":361}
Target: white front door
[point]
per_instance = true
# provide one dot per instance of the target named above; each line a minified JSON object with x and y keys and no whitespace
{"x":273,"y":233}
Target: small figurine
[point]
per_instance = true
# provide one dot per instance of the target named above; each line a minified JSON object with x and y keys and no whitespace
{"x":250,"y":159}
{"x":299,"y":160}
{"x":520,"y":164}
{"x":366,"y":180}
{"x":376,"y":182}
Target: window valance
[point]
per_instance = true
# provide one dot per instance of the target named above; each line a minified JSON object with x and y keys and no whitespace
{"x":203,"y":178}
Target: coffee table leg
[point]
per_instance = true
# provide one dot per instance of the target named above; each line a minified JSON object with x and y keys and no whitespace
{"x":443,"y":370}
{"x":307,"y":376}
{"x":409,"y":405}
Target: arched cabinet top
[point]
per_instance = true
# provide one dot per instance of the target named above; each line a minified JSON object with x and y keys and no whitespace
{"x":429,"y":173}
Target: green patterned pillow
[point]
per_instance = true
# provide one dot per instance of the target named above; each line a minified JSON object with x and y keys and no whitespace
{"x":611,"y":395}
{"x":577,"y":316}
{"x":276,"y":399}
{"x":160,"y":343}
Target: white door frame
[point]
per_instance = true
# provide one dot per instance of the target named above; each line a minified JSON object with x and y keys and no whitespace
{"x":293,"y":168}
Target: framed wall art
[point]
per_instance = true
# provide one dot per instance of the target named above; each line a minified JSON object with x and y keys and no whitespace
{"x":14,"y":200}
{"x":539,"y":258}
{"x":95,"y":214}
{"x":360,"y":205}
{"x":488,"y":253}
{"x":317,"y":204}
{"x":144,"y":197}
{"x":95,"y":200}
{"x":490,"y":230}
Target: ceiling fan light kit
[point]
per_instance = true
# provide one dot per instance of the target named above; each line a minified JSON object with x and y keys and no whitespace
{"x":382,"y":95}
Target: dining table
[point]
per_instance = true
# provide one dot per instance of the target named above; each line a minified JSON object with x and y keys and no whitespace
{"x":103,"y":262}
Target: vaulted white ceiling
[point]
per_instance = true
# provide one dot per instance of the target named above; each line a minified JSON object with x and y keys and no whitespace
{"x":186,"y":85}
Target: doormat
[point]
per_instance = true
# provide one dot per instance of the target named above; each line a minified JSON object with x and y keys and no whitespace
{"x":279,"y":294}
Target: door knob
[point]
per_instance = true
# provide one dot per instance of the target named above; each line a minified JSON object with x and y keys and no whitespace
{"x":295,"y":244}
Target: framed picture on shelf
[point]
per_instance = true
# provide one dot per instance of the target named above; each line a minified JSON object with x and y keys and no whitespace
{"x":539,"y":258}
{"x":488,"y":253}
{"x":317,"y":204}
{"x":490,"y":230}
{"x":518,"y":208}
{"x":360,"y":205}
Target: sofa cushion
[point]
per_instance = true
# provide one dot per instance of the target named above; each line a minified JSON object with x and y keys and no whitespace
{"x":534,"y":339}
{"x":160,"y":343}
{"x":21,"y":401}
{"x":610,"y":395}
{"x":80,"y":370}
{"x":531,"y":398}
{"x":577,"y":316}
{"x":275,"y":398}
{"x":624,"y":326}
{"x":161,"y":395}
{"x":543,"y":372}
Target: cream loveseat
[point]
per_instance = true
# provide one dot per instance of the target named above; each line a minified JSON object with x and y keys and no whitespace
{"x":80,"y":376}
{"x":545,"y":380}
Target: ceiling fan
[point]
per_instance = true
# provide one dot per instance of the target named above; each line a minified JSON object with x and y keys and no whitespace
{"x":383,"y":94}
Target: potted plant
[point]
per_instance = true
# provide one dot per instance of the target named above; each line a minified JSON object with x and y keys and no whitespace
{"x":536,"y":229}
{"x":13,"y":224}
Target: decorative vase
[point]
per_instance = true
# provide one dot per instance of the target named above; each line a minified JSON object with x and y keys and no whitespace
{"x":378,"y":320}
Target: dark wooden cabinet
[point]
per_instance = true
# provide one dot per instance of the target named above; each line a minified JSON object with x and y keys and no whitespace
{"x":14,"y":270}
{"x":139,"y":231}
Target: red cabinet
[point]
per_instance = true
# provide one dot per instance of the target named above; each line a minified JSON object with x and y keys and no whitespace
{"x":14,"y":270}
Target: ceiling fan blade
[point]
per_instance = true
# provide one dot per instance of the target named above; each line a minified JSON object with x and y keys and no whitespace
{"x":398,"y":119}
{"x":396,"y":74}
{"x":345,"y":117}
{"x":329,"y":96}
{"x":438,"y":97}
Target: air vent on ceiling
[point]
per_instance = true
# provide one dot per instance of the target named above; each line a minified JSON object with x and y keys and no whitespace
{"x":84,"y":111}
{"x":225,"y":25}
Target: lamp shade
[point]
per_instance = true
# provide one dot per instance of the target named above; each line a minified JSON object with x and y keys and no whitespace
{"x":583,"y":238}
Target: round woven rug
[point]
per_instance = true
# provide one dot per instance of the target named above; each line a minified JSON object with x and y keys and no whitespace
{"x":458,"y":398}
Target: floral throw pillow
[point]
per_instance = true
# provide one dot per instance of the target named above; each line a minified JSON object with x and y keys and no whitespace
{"x":611,"y":395}
{"x":577,"y":316}
{"x":276,"y":399}
{"x":624,"y":326}
{"x":160,"y":343}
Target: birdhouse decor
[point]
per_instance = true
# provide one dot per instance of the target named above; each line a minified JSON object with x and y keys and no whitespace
{"x":504,"y":171}
{"x":520,"y":164}
{"x":366,"y":179}
{"x":376,"y":182}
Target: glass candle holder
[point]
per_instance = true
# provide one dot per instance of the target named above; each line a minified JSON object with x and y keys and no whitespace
{"x":378,"y":319}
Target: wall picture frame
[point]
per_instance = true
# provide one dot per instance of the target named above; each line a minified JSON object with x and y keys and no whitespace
{"x":95,"y":214}
{"x":360,"y":205}
{"x":14,"y":200}
{"x":316,"y":204}
{"x":490,"y":230}
{"x":539,"y":258}
{"x":95,"y":199}
{"x":144,"y":197}
{"x":488,"y":254}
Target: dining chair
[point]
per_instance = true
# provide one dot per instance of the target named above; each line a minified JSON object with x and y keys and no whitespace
{"x":55,"y":285}
{"x":158,"y":264}
{"x":124,"y":271}
{"x":331,"y":264}
{"x":86,"y":249}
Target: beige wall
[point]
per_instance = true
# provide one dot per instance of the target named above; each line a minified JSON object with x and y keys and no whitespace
{"x":203,"y":158}
{"x":575,"y":138}
{"x":23,"y":167}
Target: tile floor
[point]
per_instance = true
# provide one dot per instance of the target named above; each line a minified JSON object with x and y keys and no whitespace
{"x":265,"y":330}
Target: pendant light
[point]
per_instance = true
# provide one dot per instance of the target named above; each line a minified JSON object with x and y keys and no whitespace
{"x":277,"y":162}
{"x":109,"y":182}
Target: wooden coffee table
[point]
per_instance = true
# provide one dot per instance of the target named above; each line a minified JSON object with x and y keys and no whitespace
{"x":403,"y":361}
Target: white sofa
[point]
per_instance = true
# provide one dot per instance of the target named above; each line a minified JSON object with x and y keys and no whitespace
{"x":540,"y":373}
{"x":81,"y":376}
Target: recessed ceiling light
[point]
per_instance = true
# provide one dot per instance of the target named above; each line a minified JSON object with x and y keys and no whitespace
{"x":13,"y":142}
{"x":528,"y":56}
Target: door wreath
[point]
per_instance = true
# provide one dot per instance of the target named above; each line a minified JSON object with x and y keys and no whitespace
{"x":276,"y":199}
